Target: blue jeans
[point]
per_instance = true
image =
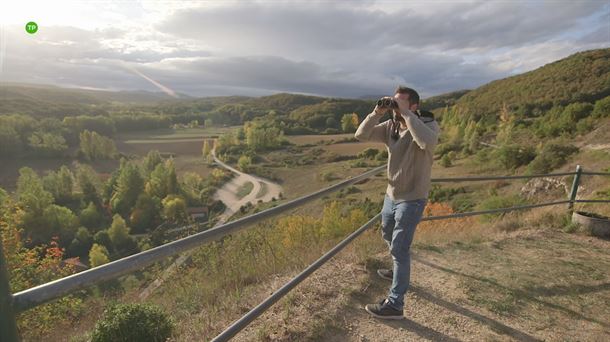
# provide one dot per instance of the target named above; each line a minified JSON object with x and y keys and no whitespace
{"x":398,"y":223}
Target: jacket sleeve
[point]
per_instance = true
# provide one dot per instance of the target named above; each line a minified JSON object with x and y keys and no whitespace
{"x":424,"y":134}
{"x":370,"y":130}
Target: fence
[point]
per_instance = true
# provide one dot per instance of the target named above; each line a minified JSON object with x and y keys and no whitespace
{"x":11,"y":304}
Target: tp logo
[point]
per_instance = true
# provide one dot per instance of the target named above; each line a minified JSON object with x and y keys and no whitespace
{"x":31,"y":27}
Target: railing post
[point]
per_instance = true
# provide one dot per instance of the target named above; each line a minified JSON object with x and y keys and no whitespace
{"x":574,"y":187}
{"x":8,"y":325}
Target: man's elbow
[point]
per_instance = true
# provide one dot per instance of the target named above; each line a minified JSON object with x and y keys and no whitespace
{"x":360,"y":136}
{"x":428,"y":145}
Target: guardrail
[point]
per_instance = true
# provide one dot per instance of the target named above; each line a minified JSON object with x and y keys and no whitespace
{"x":10,"y":304}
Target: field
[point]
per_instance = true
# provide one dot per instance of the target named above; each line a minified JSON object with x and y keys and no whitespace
{"x":470,"y":278}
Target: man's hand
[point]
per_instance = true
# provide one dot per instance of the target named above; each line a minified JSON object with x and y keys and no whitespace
{"x":380,"y":111}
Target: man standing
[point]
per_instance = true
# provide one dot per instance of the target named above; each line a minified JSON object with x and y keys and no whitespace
{"x":410,"y":138}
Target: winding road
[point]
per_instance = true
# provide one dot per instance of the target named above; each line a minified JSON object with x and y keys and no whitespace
{"x":228,"y":195}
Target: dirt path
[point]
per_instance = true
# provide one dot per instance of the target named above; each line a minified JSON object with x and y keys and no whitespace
{"x":529,"y":286}
{"x":227,"y":194}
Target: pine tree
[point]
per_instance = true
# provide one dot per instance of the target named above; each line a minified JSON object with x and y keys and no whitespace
{"x":118,"y":231}
{"x":98,"y":255}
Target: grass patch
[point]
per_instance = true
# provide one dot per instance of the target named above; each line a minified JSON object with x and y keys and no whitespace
{"x":262,"y":191}
{"x":244,"y":190}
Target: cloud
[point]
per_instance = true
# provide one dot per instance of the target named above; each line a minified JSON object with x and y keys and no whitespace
{"x":345,"y":49}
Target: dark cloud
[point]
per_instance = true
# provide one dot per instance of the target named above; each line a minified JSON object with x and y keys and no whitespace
{"x":344,"y":49}
{"x":294,"y":29}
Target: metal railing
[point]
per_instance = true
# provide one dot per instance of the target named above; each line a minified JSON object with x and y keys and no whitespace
{"x":10,"y":304}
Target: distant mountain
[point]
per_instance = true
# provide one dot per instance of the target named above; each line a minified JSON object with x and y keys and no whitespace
{"x":371,"y":97}
{"x":48,"y":100}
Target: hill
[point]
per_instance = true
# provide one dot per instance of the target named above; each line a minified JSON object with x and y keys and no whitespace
{"x":48,"y":100}
{"x":581,"y":77}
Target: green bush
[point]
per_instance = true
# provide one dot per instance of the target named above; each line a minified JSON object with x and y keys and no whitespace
{"x":440,"y":194}
{"x":328,"y":176}
{"x":602,"y":108}
{"x":461,"y":203}
{"x":133,"y":322}
{"x":383,"y":155}
{"x":446,"y":161}
{"x":447,"y":147}
{"x":368,"y":153}
{"x":551,"y":157}
{"x":513,"y":156}
{"x":496,"y":202}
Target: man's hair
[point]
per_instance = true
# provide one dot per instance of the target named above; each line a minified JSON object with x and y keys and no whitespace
{"x":413,"y":95}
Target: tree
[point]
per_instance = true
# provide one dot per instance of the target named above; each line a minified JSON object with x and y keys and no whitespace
{"x":174,"y":209}
{"x":118,"y":231}
{"x":331,"y":122}
{"x":95,"y":146}
{"x":57,"y":221}
{"x":10,"y":141}
{"x":260,"y":136}
{"x":33,"y":200}
{"x":60,"y":184}
{"x":3,"y":196}
{"x":98,"y":255}
{"x":602,"y":108}
{"x":206,"y":149}
{"x":81,"y":244}
{"x":47,"y":144}
{"x":145,"y":214}
{"x":129,"y":185}
{"x":244,"y":163}
{"x":349,"y":122}
{"x":163,"y":180}
{"x":102,"y":238}
{"x":30,"y":192}
{"x":28,"y":268}
{"x":88,"y":183}
{"x":90,"y":217}
{"x":152,"y":159}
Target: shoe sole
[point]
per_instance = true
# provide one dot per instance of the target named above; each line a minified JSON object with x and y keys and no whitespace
{"x":382,"y":276}
{"x":383,"y":317}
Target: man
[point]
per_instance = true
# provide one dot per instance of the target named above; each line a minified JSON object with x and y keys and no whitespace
{"x":410,"y":138}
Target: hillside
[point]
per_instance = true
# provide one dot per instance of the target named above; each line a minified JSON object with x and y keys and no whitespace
{"x":581,"y":77}
{"x":48,"y":100}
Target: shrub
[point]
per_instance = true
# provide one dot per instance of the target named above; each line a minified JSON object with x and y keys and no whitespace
{"x":133,"y":322}
{"x":328,"y":176}
{"x":368,"y":153}
{"x":513,"y":156}
{"x":446,"y":161}
{"x":440,"y":194}
{"x":444,"y":148}
{"x":462,"y":203}
{"x":496,"y":202}
{"x":602,"y":108}
{"x":551,"y":157}
{"x":383,"y":155}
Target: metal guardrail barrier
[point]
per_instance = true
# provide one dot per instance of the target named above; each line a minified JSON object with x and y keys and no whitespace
{"x":21,"y":301}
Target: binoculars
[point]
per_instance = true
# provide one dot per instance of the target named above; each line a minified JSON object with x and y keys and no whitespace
{"x":387,"y":102}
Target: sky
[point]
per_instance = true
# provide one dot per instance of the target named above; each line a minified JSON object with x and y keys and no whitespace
{"x":329,"y":48}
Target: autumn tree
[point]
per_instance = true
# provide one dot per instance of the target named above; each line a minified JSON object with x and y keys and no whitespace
{"x":349,"y":122}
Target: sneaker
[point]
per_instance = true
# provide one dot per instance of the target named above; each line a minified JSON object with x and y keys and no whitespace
{"x":383,"y":310}
{"x":385,"y":273}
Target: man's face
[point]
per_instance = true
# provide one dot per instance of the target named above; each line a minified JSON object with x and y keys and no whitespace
{"x":404,"y":103}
